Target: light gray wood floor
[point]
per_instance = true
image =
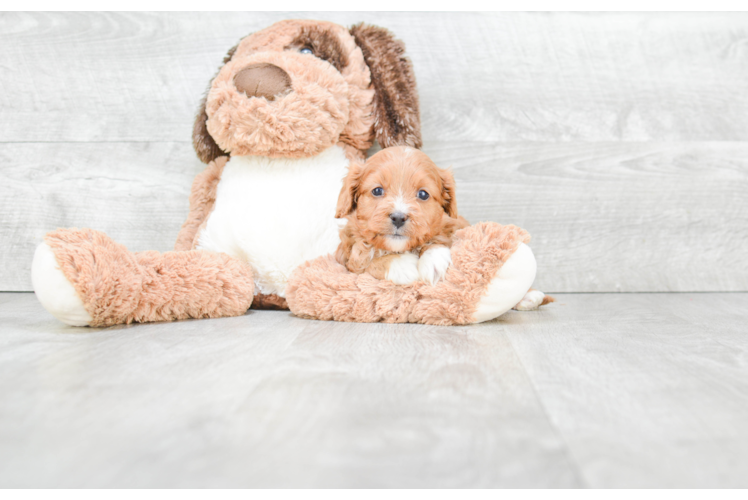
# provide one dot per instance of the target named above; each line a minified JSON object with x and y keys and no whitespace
{"x":596,"y":390}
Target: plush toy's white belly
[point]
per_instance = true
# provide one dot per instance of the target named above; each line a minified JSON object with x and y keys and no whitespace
{"x":276,"y":214}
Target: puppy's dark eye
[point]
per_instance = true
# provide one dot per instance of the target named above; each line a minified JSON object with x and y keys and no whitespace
{"x":423,"y":195}
{"x":306,"y":50}
{"x":377,"y":191}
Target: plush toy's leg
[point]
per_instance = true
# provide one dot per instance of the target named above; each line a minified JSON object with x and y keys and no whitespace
{"x":492,"y":269}
{"x":84,"y":278}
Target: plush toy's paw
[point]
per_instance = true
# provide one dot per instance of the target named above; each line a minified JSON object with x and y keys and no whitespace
{"x":531,"y":301}
{"x":433,"y":264}
{"x":403,"y":269}
{"x":54,"y":291}
{"x":509,"y":286}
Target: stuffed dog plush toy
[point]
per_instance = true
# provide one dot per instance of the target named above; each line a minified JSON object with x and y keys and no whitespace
{"x":292,"y":107}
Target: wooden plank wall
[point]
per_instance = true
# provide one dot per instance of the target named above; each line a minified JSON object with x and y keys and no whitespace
{"x":619,"y":140}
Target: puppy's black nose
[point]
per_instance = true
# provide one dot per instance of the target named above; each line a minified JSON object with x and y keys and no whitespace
{"x":398,"y":219}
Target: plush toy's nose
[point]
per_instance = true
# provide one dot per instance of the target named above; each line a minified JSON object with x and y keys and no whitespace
{"x":398,"y":219}
{"x":263,"y":80}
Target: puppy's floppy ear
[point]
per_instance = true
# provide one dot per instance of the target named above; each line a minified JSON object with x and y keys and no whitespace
{"x":349,"y":192}
{"x":448,"y":192}
{"x":205,"y":147}
{"x":397,"y":121}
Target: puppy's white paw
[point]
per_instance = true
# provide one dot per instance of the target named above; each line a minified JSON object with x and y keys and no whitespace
{"x":530,"y":301}
{"x":403,"y":269}
{"x":433,"y":264}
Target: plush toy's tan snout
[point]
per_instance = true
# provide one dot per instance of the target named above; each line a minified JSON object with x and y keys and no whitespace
{"x":301,"y":123}
{"x":263,"y":80}
{"x":298,"y":87}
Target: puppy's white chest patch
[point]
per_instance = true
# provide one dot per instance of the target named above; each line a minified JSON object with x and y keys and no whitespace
{"x":276,"y":214}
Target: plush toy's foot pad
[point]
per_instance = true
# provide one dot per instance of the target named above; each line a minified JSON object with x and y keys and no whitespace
{"x":83,"y":277}
{"x":474,"y":288}
{"x":509,"y":286}
{"x":54,"y":291}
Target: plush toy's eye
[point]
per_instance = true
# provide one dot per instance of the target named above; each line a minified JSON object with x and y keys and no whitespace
{"x":306,"y":50}
{"x":423,"y":195}
{"x":377,"y":191}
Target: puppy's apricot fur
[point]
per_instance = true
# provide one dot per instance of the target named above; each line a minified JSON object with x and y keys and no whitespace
{"x":399,"y":201}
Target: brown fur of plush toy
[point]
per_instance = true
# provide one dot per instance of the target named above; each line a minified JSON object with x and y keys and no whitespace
{"x":331,"y":102}
{"x":398,"y":121}
{"x":118,"y":286}
{"x":324,"y":289}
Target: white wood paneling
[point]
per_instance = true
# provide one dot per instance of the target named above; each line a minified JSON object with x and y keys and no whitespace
{"x":617,"y":139}
{"x":604,"y":216}
{"x":615,"y":217}
{"x":137,"y":193}
{"x":482,"y":76}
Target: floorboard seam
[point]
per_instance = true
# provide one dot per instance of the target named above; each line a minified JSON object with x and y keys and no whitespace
{"x":573,"y":462}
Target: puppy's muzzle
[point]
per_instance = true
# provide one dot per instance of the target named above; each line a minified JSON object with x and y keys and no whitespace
{"x":398,"y":219}
{"x":263,"y":80}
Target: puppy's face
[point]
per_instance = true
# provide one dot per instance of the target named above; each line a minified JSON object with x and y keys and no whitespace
{"x":398,"y":200}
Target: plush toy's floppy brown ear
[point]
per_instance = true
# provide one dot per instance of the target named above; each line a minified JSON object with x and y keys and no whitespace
{"x":205,"y":147}
{"x":349,"y":192}
{"x":448,"y":192}
{"x":397,"y":121}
